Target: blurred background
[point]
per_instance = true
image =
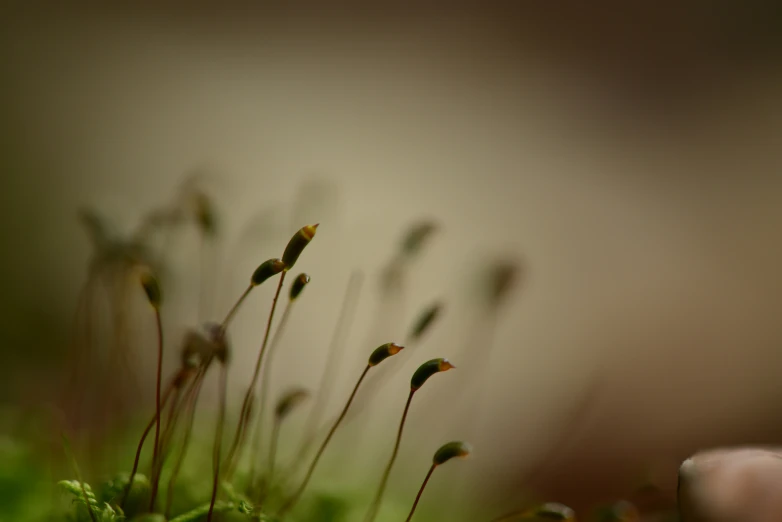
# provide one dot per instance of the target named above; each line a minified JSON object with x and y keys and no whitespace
{"x":624,"y":159}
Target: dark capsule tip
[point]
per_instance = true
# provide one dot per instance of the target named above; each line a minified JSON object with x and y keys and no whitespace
{"x":450,"y":450}
{"x":428,"y":369}
{"x":266,"y":270}
{"x":297,"y":244}
{"x":383,"y":352}
{"x":298,"y":286}
{"x":151,"y":288}
{"x":446,"y":365}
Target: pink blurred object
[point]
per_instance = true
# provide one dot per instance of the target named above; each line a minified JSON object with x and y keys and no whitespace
{"x":740,"y":484}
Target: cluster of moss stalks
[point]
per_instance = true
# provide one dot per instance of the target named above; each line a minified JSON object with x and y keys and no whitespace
{"x":259,"y":490}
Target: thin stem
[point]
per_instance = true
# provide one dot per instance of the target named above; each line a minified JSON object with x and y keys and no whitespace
{"x":232,"y":459}
{"x":273,"y":449}
{"x":191,"y":398}
{"x":141,"y":444}
{"x":235,"y":307}
{"x":218,"y":439}
{"x":420,"y":492}
{"x":156,"y":452}
{"x":265,"y":378}
{"x":323,"y":392}
{"x":165,"y":440}
{"x":380,"y":490}
{"x":290,"y":503}
{"x":171,"y":420}
{"x":241,"y":427}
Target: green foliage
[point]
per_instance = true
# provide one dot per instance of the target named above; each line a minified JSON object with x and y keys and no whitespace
{"x":327,"y":508}
{"x":108,"y":511}
{"x":85,"y":500}
{"x":113,"y":490}
{"x":118,"y":484}
{"x":149,"y":517}
{"x":200,"y":511}
{"x":241,"y":507}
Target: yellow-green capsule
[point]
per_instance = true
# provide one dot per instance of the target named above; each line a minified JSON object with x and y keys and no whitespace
{"x":204,"y":213}
{"x":417,"y":236}
{"x":298,"y":286}
{"x":266,"y":270}
{"x":296,"y":245}
{"x":289,"y":401}
{"x":151,"y":288}
{"x":450,"y":450}
{"x":502,"y":278}
{"x":425,"y":320}
{"x":428,"y":369}
{"x":383,"y":352}
{"x":553,"y":511}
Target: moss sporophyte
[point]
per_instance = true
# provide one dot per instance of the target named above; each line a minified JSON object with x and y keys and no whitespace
{"x":244,"y":481}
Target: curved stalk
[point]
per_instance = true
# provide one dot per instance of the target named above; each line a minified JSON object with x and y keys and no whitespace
{"x":420,"y":492}
{"x":292,"y":501}
{"x":375,"y":506}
